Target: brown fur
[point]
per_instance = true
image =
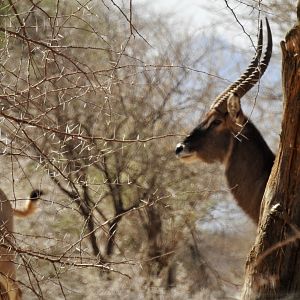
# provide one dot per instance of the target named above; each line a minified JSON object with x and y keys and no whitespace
{"x":7,"y":254}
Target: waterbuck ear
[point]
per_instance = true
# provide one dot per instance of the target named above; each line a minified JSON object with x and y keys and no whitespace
{"x":234,"y":107}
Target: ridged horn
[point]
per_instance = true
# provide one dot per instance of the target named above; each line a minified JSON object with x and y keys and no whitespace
{"x":252,"y":74}
{"x":248,"y":83}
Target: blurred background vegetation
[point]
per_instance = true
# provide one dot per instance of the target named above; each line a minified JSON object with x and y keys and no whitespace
{"x":94,"y":97}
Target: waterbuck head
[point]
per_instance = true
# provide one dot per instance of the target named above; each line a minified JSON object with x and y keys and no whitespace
{"x":211,"y":139}
{"x":226,"y":135}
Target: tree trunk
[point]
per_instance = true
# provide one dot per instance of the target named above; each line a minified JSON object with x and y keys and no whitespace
{"x":273,"y":266}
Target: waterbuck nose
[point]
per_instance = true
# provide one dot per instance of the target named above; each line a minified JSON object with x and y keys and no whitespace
{"x":179,"y":148}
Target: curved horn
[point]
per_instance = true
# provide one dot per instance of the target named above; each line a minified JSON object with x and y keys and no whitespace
{"x":252,"y":74}
{"x":248,"y":83}
{"x":251,"y":68}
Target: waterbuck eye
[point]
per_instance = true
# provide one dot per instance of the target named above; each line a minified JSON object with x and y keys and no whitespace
{"x":215,"y":123}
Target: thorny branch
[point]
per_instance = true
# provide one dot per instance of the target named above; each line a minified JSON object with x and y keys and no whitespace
{"x":90,"y":112}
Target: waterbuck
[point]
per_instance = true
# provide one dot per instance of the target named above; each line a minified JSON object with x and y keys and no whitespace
{"x":8,"y":287}
{"x":226,"y":135}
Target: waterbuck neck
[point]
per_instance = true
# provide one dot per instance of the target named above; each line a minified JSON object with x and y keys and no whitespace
{"x":247,"y":168}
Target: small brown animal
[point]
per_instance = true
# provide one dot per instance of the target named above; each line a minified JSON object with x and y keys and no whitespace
{"x":8,"y":287}
{"x":226,"y":135}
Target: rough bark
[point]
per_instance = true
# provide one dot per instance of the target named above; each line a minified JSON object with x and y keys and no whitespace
{"x":272,"y":270}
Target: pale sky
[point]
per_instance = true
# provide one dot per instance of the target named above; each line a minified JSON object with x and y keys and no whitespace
{"x":203,"y":15}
